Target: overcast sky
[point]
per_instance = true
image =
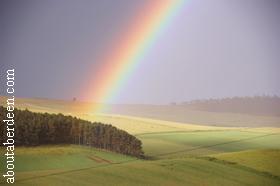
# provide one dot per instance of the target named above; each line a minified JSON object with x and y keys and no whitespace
{"x":212,"y":49}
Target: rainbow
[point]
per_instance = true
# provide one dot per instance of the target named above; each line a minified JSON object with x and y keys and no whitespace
{"x":127,"y":54}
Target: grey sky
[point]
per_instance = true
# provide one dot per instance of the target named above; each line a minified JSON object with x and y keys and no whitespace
{"x":212,"y":49}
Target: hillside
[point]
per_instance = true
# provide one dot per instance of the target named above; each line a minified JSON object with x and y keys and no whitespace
{"x":39,"y":166}
{"x":175,"y":113}
{"x":233,"y":112}
{"x":262,"y":160}
{"x":177,"y":152}
{"x":34,"y":129}
{"x":258,"y":105}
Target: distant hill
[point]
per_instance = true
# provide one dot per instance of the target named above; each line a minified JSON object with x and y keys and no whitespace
{"x":259,"y":111}
{"x":228,"y":112}
{"x":259,"y":105}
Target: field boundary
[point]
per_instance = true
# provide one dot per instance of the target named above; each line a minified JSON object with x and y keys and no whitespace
{"x":214,"y":145}
{"x":98,"y":159}
{"x":240,"y":166}
{"x":190,"y":131}
{"x":74,"y":170}
{"x":134,"y":160}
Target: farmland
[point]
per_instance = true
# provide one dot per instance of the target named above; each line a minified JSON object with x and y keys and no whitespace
{"x":71,"y":165}
{"x":177,"y":153}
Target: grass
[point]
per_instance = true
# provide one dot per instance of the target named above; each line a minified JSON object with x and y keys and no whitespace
{"x":178,"y":171}
{"x":61,"y":157}
{"x":176,"y":162}
{"x":174,"y":144}
{"x":138,"y":126}
{"x":181,"y":153}
{"x":47,"y":160}
{"x":177,"y":114}
{"x":261,"y":160}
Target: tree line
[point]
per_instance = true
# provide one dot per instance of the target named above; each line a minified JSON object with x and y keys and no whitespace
{"x":257,"y":105}
{"x":33,"y":129}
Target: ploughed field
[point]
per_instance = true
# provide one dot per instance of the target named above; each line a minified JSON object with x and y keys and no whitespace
{"x":177,"y":154}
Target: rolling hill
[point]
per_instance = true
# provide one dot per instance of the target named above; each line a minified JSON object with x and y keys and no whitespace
{"x":198,"y":113}
{"x":179,"y":153}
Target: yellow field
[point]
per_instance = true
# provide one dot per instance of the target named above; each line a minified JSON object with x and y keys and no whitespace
{"x":131,"y":124}
{"x":135,"y":125}
{"x":157,"y":112}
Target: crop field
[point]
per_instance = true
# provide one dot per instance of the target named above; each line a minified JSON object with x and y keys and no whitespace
{"x":177,"y":154}
{"x":176,"y":158}
{"x":165,"y":113}
{"x":262,"y":160}
{"x":73,"y":165}
{"x":172,"y":144}
{"x":47,"y":160}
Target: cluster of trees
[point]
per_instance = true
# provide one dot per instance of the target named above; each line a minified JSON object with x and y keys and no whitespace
{"x":32,"y":129}
{"x":257,"y":105}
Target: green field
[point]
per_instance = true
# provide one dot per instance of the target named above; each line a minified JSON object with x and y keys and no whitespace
{"x":177,"y":154}
{"x":177,"y":158}
{"x":73,"y":165}
{"x":182,"y":144}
